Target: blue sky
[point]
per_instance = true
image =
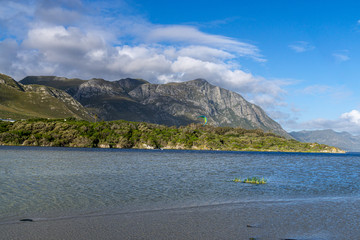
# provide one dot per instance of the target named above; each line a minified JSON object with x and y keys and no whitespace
{"x":296,"y":59}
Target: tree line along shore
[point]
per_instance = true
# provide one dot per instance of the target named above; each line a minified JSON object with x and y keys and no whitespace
{"x":71,"y":132}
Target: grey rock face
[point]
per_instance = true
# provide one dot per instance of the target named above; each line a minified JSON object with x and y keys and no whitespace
{"x":170,"y":104}
{"x":49,"y":92}
{"x":98,"y":87}
{"x":129,"y":84}
{"x":194,"y":98}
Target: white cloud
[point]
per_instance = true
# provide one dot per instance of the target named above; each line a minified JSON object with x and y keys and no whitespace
{"x":58,"y":15}
{"x":11,"y":9}
{"x":8,"y":49}
{"x":316,"y":89}
{"x":348,"y":122}
{"x":353,"y":117}
{"x":63,"y":44}
{"x":301,"y":46}
{"x":65,"y":41}
{"x":191,"y":35}
{"x":139,"y":61}
{"x":15,"y":17}
{"x":205,"y":53}
{"x":341,"y":56}
{"x":337,"y":93}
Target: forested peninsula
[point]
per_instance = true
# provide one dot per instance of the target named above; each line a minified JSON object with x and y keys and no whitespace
{"x":139,"y":135}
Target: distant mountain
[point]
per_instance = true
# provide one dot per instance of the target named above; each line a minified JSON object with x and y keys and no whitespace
{"x":343,"y":140}
{"x":170,"y":104}
{"x":18,"y":101}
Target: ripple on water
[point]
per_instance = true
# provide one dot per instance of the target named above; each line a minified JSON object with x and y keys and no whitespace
{"x":39,"y":180}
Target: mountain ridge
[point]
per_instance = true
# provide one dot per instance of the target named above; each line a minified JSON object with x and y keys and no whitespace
{"x":177,"y":103}
{"x":343,"y":140}
{"x":29,"y":101}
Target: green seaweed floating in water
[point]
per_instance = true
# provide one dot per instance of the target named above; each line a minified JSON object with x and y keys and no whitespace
{"x":253,"y":180}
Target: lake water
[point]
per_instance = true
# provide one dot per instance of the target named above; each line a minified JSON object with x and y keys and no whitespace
{"x":56,"y":182}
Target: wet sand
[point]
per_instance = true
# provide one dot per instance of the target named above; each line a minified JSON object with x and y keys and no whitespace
{"x":318,"y":219}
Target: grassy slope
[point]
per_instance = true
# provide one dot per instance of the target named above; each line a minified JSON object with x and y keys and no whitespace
{"x":16,"y":104}
{"x":123,"y":134}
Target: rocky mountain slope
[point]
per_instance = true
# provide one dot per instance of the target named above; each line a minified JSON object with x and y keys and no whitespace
{"x":170,"y":104}
{"x":343,"y":140}
{"x":18,"y":101}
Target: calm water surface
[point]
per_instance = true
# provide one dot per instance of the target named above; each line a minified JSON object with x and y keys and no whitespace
{"x":47,"y":182}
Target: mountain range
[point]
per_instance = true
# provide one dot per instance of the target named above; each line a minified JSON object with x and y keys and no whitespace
{"x":343,"y":140}
{"x":172,"y":104}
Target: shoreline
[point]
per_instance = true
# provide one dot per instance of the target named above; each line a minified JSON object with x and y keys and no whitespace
{"x":182,"y":149}
{"x":323,"y":219}
{"x":140,"y":135}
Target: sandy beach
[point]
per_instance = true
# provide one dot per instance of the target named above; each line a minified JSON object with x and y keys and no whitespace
{"x":318,"y":219}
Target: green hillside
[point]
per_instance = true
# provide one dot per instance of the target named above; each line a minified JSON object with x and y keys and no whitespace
{"x":18,"y":101}
{"x":124,"y":134}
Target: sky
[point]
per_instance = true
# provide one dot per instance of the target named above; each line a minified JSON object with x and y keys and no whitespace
{"x":298,"y":60}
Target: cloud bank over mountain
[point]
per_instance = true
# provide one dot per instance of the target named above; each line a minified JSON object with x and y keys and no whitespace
{"x":67,"y":38}
{"x":348,"y":122}
{"x":116,"y":39}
